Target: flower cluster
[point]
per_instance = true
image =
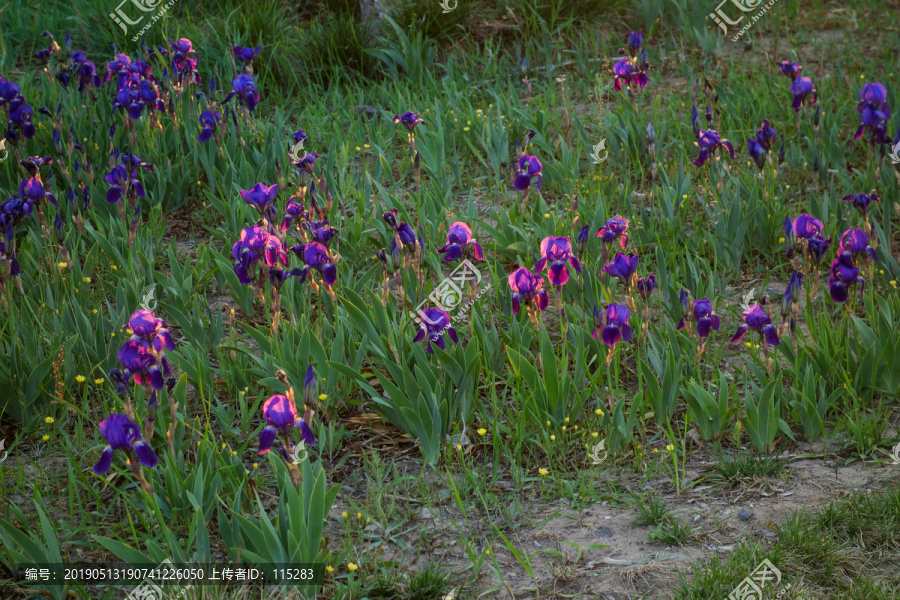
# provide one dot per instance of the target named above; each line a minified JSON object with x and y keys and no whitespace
{"x":124,"y":183}
{"x":803,"y":91}
{"x":758,"y":148}
{"x":143,"y":356}
{"x":137,"y":90}
{"x":874,"y":113}
{"x":632,"y":71}
{"x":19,"y":115}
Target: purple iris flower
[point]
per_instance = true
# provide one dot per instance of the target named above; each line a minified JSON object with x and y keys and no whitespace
{"x":623,"y":267}
{"x":843,"y":275}
{"x":615,"y":228}
{"x":33,"y":189}
{"x":244,"y":87}
{"x":309,"y":386}
{"x":141,"y":359}
{"x":435,"y":321}
{"x":855,"y":241}
{"x":791,"y":294}
{"x":635,"y":41}
{"x":210,"y":122}
{"x":757,"y":152}
{"x":695,"y":121}
{"x":144,"y":324}
{"x":646,"y":285}
{"x":759,"y":147}
{"x":255,"y":245}
{"x":459,"y":240}
{"x":529,"y":169}
{"x":817,"y":247}
{"x":803,"y":227}
{"x":12,"y":211}
{"x":117,"y":178}
{"x":704,"y":316}
{"x":766,"y":134}
{"x":409,"y":120}
{"x":407,"y":235}
{"x":293,"y":210}
{"x":298,"y":136}
{"x":246,"y":54}
{"x":526,"y":286}
{"x":316,"y":256}
{"x":280,"y":414}
{"x":790,"y":69}
{"x":183,"y":45}
{"x":861,"y":202}
{"x":709,"y":141}
{"x":121,"y":433}
{"x":625,"y":72}
{"x":582,"y":237}
{"x":22,"y":117}
{"x":260,"y":197}
{"x":307,"y":164}
{"x":321,"y":232}
{"x":87,"y":75}
{"x":615,"y":324}
{"x":803,"y":88}
{"x":874,"y":112}
{"x":755,"y":318}
{"x":558,"y":252}
{"x":184,"y":59}
{"x":119,"y":66}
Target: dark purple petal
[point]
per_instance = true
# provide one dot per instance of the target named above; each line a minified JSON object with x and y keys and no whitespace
{"x":266,"y":439}
{"x":739,"y":334}
{"x":105,"y":461}
{"x":145,"y":454}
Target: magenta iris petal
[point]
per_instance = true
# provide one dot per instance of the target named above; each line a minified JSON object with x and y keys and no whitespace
{"x":558,"y":274}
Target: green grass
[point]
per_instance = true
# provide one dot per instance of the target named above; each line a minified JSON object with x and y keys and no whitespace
{"x":731,"y":470}
{"x":844,"y":550}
